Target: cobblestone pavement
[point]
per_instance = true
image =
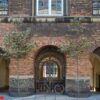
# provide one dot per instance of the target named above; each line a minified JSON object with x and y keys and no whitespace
{"x":49,"y":97}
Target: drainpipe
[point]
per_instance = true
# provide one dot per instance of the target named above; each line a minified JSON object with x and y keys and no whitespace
{"x":93,"y":80}
{"x":94,"y":89}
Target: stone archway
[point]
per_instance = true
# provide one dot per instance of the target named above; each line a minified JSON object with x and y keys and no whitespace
{"x":4,"y":73}
{"x":50,"y":70}
{"x":95,"y":61}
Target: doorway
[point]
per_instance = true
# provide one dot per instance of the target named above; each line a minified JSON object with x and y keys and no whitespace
{"x":50,"y":71}
{"x":4,"y":75}
{"x":99,"y":83}
{"x":95,"y":61}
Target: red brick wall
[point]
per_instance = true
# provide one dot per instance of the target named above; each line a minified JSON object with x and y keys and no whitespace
{"x":22,"y":67}
{"x":84,"y":66}
{"x":80,"y":7}
{"x":47,"y":34}
{"x":75,"y":7}
{"x":20,"y":7}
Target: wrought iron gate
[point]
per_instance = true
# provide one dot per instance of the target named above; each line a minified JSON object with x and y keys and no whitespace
{"x":50,"y":86}
{"x":50,"y":71}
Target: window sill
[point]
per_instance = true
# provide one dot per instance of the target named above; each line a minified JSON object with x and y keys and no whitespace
{"x":35,"y":19}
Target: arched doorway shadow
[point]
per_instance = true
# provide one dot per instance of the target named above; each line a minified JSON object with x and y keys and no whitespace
{"x":50,"y":70}
{"x":95,"y":61}
{"x":4,"y":73}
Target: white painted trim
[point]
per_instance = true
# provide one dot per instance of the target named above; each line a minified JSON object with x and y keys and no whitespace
{"x":21,"y":76}
{"x":50,"y":7}
{"x":62,"y":8}
{"x":37,"y":8}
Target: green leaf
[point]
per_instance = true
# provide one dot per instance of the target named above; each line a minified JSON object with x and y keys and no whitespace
{"x":17,"y":44}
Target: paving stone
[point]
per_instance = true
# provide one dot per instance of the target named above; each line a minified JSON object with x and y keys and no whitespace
{"x":49,"y":97}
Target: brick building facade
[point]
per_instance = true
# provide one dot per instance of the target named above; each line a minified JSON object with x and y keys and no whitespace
{"x":49,"y":22}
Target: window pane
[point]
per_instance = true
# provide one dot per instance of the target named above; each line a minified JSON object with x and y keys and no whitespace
{"x":99,"y":11}
{"x":96,"y":7}
{"x":43,"y":6}
{"x":95,"y":4}
{"x":3,"y":7}
{"x":56,"y":6}
{"x":50,"y":69}
{"x":95,"y":11}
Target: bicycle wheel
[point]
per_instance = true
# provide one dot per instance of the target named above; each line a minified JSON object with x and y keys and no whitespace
{"x":59,"y":88}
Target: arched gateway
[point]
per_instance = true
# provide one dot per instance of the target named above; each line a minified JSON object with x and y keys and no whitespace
{"x":95,"y":77}
{"x":50,"y":70}
{"x":4,"y":73}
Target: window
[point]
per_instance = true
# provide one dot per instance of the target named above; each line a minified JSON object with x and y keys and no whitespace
{"x":49,"y":8}
{"x":3,"y":7}
{"x":96,"y":7}
{"x":50,"y":69}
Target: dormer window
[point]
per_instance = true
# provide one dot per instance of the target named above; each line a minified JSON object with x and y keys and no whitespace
{"x":3,"y":7}
{"x":49,"y":8}
{"x":96,"y":7}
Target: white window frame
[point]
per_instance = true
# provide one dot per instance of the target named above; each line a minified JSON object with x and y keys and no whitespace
{"x":4,"y":10}
{"x":49,"y":9}
{"x":96,"y":9}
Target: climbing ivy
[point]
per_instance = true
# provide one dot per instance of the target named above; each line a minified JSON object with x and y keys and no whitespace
{"x":76,"y":47}
{"x":17,"y":44}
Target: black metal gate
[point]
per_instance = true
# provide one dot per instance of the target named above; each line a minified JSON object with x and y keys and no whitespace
{"x":50,"y":71}
{"x":50,"y":86}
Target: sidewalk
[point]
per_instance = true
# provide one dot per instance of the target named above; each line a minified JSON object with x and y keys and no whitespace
{"x":49,"y":97}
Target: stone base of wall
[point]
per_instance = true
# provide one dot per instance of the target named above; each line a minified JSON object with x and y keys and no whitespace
{"x":78,"y":88}
{"x":25,"y":87}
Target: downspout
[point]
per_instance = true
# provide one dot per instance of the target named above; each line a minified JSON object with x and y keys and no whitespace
{"x":94,"y":89}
